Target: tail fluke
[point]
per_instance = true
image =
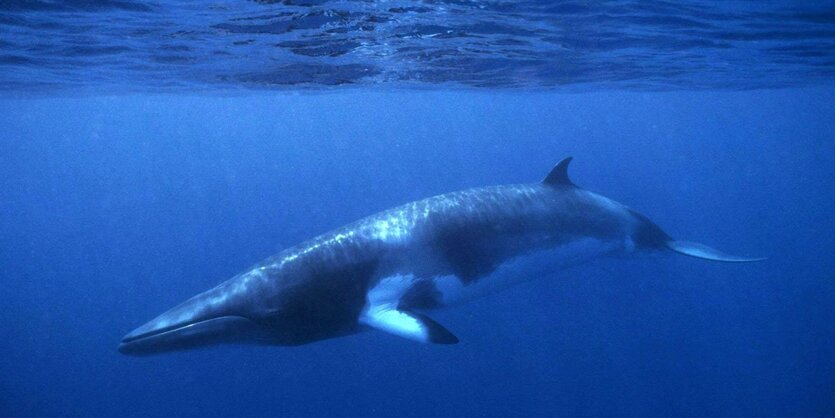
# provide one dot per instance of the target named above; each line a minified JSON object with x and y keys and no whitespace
{"x":694,"y":249}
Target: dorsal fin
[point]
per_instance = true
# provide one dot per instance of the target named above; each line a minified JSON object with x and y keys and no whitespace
{"x":559,"y":174}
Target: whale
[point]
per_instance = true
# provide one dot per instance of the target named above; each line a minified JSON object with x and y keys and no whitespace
{"x":391,"y":270}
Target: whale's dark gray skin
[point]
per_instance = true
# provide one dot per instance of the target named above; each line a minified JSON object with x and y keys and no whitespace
{"x":383,"y":271}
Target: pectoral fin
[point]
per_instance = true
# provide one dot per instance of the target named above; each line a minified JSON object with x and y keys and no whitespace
{"x":413,"y":326}
{"x":702,"y":251}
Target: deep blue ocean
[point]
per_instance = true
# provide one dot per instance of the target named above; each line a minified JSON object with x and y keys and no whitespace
{"x":149,"y":151}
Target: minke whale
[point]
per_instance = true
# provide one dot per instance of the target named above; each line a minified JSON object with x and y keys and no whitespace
{"x":387,"y":271}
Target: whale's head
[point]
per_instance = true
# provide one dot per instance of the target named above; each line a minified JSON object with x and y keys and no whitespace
{"x":221,"y":315}
{"x":251,"y":308}
{"x":265,"y":306}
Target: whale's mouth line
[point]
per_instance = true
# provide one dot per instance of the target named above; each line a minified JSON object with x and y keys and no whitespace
{"x":157,"y":332}
{"x":211,"y":331}
{"x":171,"y":329}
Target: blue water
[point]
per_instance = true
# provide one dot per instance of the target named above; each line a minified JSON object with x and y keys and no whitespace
{"x":130,"y":183}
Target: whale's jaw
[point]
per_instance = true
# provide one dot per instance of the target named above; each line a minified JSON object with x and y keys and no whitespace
{"x":224,"y":329}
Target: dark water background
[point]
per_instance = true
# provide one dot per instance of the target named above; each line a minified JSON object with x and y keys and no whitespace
{"x":125,"y":189}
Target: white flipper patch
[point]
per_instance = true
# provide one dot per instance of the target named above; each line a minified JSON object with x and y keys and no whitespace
{"x":381,"y":312}
{"x":409,"y":325}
